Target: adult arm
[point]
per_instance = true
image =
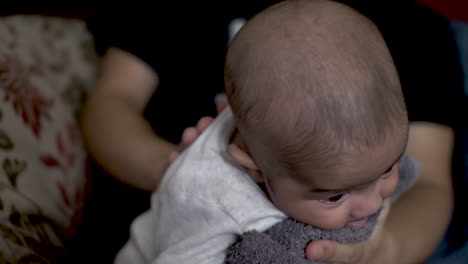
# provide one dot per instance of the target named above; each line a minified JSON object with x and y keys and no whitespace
{"x":418,"y":220}
{"x":114,"y":129}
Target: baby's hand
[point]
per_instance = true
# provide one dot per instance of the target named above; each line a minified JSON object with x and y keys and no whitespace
{"x":363,"y":252}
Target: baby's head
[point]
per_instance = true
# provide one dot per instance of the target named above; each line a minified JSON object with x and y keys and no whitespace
{"x":318,"y":104}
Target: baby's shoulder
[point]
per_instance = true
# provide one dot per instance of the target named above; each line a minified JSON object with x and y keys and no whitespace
{"x":203,"y":175}
{"x":216,"y":187}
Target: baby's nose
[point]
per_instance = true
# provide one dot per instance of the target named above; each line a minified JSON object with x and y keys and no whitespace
{"x":366,"y":203}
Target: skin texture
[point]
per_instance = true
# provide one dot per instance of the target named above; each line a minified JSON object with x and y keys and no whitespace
{"x":114,"y":113}
{"x":403,"y":237}
{"x":331,"y":159}
{"x":360,"y":195}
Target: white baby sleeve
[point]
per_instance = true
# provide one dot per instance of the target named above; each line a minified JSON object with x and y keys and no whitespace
{"x":191,"y":229}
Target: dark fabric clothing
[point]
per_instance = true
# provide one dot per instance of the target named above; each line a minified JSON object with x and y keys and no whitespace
{"x":185,"y":43}
{"x":425,"y":54}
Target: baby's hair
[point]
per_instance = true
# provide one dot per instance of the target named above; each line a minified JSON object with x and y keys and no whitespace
{"x":312,"y":80}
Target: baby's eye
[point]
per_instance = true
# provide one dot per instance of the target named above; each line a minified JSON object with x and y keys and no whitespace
{"x":388,"y":173}
{"x":337,"y":198}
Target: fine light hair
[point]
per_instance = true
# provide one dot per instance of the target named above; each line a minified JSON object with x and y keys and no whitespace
{"x":310,"y":81}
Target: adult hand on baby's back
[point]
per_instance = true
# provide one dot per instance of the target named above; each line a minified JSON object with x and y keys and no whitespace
{"x":190,"y":134}
{"x":221,"y":102}
{"x":375,"y":250}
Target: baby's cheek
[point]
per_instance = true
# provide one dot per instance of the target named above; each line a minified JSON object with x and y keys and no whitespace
{"x":312,"y":213}
{"x":389,"y":185}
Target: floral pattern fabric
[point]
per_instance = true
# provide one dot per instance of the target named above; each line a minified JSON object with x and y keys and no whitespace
{"x":47,"y":64}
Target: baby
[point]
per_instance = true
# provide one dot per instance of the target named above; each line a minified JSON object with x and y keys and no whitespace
{"x":317,"y":118}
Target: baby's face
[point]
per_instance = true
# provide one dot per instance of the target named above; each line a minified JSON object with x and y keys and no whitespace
{"x":345,"y":197}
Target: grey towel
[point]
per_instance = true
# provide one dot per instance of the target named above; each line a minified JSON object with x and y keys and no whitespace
{"x":285,"y":242}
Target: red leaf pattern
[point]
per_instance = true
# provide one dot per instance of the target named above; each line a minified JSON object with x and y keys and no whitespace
{"x":22,"y":94}
{"x":50,"y":161}
{"x":68,"y":145}
{"x":60,"y":143}
{"x":65,"y":195}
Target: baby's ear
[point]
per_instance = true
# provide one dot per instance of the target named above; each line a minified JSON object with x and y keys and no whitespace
{"x":245,"y":160}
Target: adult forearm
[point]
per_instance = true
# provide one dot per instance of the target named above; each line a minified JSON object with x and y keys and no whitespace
{"x":418,"y":220}
{"x":417,"y":223}
{"x":123,"y":143}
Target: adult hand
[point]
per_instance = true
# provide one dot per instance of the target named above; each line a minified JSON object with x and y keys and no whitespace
{"x":221,"y":102}
{"x":370,"y":251}
{"x":190,"y":134}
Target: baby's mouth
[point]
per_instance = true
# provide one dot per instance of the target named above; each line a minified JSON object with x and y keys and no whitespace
{"x":357,"y":223}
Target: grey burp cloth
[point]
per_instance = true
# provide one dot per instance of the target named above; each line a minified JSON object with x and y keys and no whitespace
{"x":285,"y":242}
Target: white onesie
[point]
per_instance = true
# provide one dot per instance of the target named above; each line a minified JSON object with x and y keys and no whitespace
{"x":203,"y":202}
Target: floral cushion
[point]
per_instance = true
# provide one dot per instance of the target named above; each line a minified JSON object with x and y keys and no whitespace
{"x":46,"y":66}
